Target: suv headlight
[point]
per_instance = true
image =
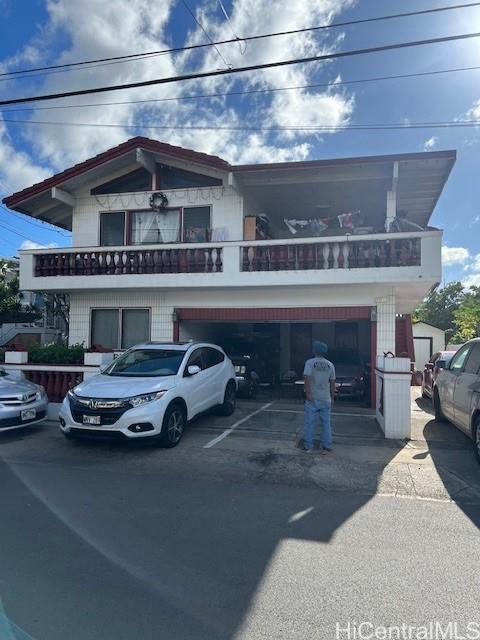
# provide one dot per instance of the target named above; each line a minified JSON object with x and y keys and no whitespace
{"x":240,"y":369}
{"x":136,"y":401}
{"x":40,"y":392}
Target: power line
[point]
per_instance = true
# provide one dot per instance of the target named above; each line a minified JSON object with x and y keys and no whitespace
{"x":222,"y":72}
{"x":38,"y":224}
{"x":147,"y":54}
{"x":206,"y":33}
{"x":227,"y":94}
{"x":8,"y":228}
{"x":327,"y":127}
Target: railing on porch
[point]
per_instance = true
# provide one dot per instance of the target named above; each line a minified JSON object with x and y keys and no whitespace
{"x":129,"y":261}
{"x":350,"y":254}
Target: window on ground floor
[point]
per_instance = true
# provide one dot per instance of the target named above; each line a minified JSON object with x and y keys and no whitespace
{"x":119,"y":328}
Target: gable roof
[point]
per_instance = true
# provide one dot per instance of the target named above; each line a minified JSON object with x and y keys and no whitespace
{"x":115,"y":152}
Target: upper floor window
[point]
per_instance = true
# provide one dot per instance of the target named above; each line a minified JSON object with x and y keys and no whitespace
{"x":138,"y":180}
{"x":174,"y":178}
{"x":189,"y":224}
{"x":112,"y":229}
{"x":153,"y":227}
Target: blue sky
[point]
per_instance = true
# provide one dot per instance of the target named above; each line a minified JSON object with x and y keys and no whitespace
{"x":42,"y":32}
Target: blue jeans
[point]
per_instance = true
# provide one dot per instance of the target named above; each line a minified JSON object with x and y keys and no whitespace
{"x":322,"y":408}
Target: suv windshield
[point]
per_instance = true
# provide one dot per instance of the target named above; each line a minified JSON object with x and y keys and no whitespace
{"x":146,"y":362}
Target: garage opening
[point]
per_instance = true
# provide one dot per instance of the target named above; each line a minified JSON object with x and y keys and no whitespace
{"x":276,"y":351}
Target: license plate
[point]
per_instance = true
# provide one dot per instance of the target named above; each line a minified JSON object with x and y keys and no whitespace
{"x":91,"y":419}
{"x":28,"y":414}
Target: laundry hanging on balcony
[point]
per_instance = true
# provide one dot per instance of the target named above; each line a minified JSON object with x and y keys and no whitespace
{"x":316,"y":226}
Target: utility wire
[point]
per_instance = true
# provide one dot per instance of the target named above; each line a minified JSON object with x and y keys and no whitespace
{"x":326,"y":127}
{"x":222,"y":72}
{"x":245,"y":92}
{"x":333,"y":25}
{"x":38,"y":224}
{"x":229,"y":66}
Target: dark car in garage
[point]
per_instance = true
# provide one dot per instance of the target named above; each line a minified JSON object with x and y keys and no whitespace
{"x":246,"y":374}
{"x":351,"y":373}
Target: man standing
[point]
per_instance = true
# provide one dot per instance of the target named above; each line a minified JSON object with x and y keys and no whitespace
{"x":319,"y":377}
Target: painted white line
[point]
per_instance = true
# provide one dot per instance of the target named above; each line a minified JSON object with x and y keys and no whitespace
{"x":228,"y":431}
{"x":352,"y":415}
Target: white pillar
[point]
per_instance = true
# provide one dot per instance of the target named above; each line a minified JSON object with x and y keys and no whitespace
{"x":391,"y":208}
{"x":385,"y":324}
{"x":393,"y":404}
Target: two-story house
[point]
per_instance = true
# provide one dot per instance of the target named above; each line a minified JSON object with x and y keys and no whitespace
{"x":173,"y":244}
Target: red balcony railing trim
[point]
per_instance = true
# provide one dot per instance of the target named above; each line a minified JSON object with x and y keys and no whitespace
{"x":129,"y":261}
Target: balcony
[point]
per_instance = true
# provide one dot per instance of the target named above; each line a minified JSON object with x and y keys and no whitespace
{"x":398,"y":257}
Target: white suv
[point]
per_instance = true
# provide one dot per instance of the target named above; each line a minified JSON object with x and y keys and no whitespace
{"x":151,"y":390}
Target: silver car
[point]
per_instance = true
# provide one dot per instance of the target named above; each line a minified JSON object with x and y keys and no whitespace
{"x":456,"y":395}
{"x":21,"y":402}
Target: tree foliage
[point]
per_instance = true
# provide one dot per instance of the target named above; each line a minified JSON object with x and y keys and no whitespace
{"x":454,"y":310}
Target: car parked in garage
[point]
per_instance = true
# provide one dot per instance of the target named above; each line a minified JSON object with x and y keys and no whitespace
{"x":431,"y":370}
{"x":351,"y":372}
{"x":248,"y":380}
{"x":22,"y":403}
{"x":456,"y":394}
{"x":151,"y":390}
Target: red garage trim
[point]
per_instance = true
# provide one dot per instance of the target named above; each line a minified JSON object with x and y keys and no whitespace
{"x":298,"y":314}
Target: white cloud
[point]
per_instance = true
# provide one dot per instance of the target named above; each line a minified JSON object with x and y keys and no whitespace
{"x":454,"y":255}
{"x":473,"y":113}
{"x":17,"y":169}
{"x":30,"y":244}
{"x":431,"y":143}
{"x":472,"y":280}
{"x":95,"y":29}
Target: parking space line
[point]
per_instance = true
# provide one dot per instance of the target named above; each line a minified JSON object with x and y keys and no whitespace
{"x":228,"y":431}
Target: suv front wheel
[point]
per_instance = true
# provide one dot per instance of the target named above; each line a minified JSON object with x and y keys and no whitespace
{"x":173,"y":426}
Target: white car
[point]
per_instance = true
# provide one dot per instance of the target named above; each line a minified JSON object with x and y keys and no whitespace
{"x":151,"y":390}
{"x":456,"y":394}
{"x":22,"y":403}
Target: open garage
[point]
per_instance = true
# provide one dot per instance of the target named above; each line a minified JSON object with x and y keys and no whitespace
{"x":278,"y":341}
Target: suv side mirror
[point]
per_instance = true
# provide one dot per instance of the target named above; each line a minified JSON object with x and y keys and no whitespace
{"x":441,"y":364}
{"x":193,"y":369}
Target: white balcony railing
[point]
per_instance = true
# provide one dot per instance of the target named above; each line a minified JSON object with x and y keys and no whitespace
{"x":232,"y":262}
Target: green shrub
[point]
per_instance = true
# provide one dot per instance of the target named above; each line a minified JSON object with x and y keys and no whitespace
{"x":56,"y":354}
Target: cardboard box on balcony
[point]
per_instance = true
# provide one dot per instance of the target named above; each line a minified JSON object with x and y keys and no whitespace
{"x":16,"y":357}
{"x":96,"y":359}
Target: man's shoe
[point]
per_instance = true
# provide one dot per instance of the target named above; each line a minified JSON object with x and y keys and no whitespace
{"x":326,"y":450}
{"x":305,"y":450}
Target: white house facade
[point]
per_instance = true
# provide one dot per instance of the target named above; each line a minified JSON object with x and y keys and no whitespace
{"x":171,"y":244}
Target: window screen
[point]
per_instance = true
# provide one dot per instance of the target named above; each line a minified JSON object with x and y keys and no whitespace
{"x":112,"y":229}
{"x":174,"y":178}
{"x":196,"y":224}
{"x":155,"y":227}
{"x":105,"y":328}
{"x":138,"y":180}
{"x":473,"y":362}
{"x":135,"y":327}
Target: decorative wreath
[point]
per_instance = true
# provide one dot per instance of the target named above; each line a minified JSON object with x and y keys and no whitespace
{"x":158,"y":201}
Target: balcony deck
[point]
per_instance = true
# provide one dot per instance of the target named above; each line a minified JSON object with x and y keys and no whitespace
{"x":347,"y":259}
